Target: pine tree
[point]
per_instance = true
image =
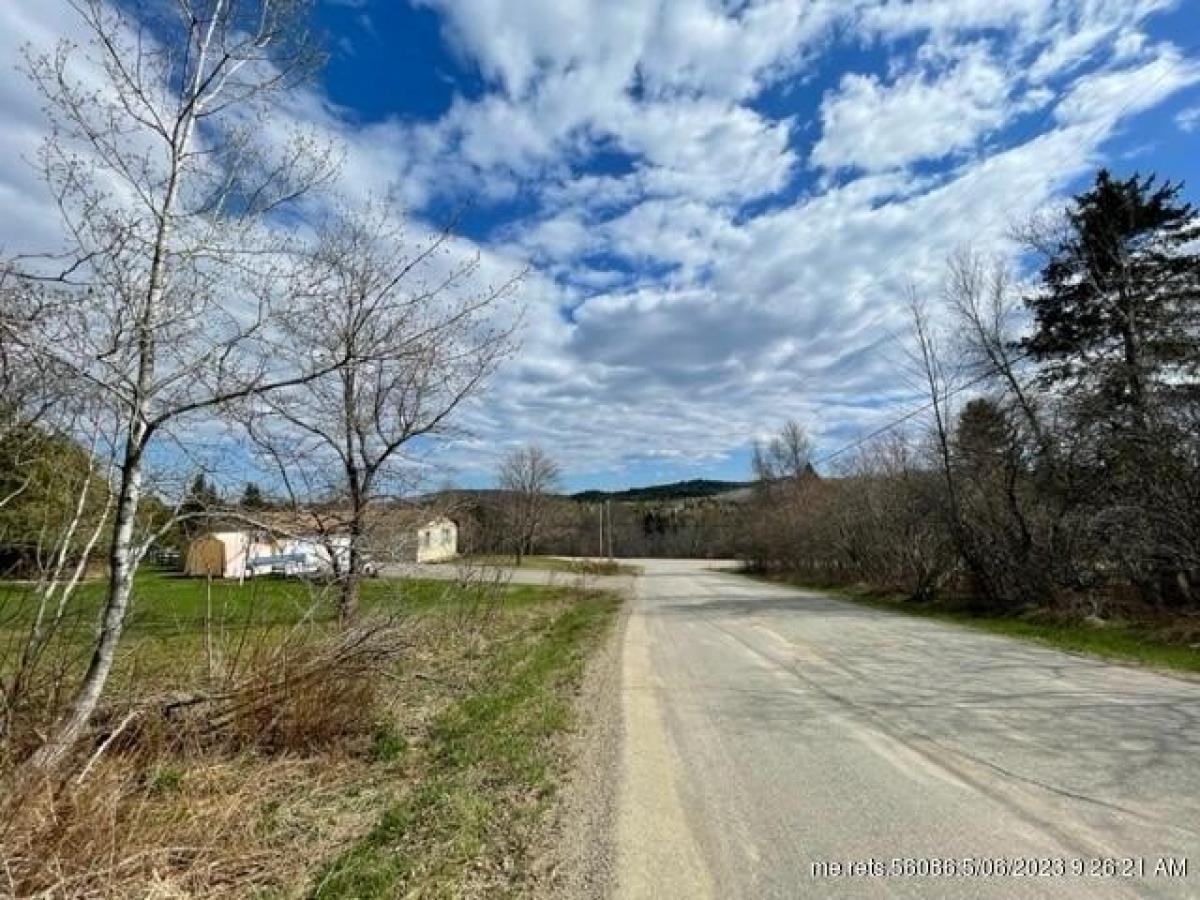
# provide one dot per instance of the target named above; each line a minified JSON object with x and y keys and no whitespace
{"x":1116,"y":321}
{"x":202,"y":498}
{"x":252,"y":496}
{"x":1117,"y":330}
{"x":983,"y":436}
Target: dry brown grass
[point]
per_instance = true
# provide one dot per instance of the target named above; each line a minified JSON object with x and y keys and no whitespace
{"x":238,"y":761}
{"x":211,"y":792}
{"x":604,"y":567}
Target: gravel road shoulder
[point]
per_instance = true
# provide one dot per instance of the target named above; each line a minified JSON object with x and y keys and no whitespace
{"x":576,"y":861}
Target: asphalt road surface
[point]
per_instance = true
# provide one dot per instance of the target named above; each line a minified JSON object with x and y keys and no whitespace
{"x":770,"y":732}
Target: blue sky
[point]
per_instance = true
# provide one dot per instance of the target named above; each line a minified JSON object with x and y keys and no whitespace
{"x":721,"y":203}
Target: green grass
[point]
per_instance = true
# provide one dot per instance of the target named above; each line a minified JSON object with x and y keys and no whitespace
{"x":449,"y":784}
{"x":489,"y":769}
{"x":169,"y":622}
{"x":1116,"y":641}
{"x":167,"y":601}
{"x":554,"y":564}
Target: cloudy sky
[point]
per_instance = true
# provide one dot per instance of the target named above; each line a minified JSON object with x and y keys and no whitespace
{"x":721,"y":202}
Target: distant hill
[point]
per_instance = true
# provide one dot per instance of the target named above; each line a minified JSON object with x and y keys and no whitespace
{"x":678,"y":490}
{"x":694,"y":489}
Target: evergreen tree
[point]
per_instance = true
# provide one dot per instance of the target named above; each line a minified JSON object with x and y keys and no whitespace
{"x":1117,"y":327}
{"x":1116,"y":321}
{"x":202,"y":498}
{"x":252,"y":496}
{"x":983,"y":436}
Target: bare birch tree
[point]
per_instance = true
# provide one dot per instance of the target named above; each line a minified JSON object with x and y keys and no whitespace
{"x":166,"y":169}
{"x":421,"y":334}
{"x":529,"y":476}
{"x":49,"y":531}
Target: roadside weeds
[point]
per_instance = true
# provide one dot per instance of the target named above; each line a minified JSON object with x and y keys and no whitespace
{"x":487,"y":773}
{"x":449,"y":751}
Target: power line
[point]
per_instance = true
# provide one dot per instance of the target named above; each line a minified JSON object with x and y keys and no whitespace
{"x":912,"y":414}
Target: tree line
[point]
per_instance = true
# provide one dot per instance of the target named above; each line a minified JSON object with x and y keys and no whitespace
{"x":1058,"y":463}
{"x":526,"y":514}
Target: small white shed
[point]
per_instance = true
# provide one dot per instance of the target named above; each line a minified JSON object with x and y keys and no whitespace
{"x":225,"y":554}
{"x":437,"y":540}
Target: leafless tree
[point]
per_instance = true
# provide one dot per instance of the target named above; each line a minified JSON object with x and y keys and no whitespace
{"x":981,"y":297}
{"x":940,"y":383}
{"x":528,"y":476}
{"x":942,"y":378}
{"x":878,"y":519}
{"x":787,"y":455}
{"x":421,"y":335}
{"x":166,"y":166}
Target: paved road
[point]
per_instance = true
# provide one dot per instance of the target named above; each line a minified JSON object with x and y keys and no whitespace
{"x":768,"y":729}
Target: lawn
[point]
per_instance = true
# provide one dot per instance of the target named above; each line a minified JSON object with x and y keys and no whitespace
{"x":432,"y":783}
{"x":173,"y":617}
{"x":1121,"y":642}
{"x":169,"y":601}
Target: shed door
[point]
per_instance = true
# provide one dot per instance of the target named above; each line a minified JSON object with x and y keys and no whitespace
{"x":207,"y":557}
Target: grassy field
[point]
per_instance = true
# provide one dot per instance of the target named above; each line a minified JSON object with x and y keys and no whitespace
{"x":555,"y":564}
{"x":173,"y":618}
{"x":166,"y":600}
{"x":430,"y":781}
{"x":1157,"y":647}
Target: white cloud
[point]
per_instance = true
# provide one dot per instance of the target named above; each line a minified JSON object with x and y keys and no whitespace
{"x":1103,"y":97}
{"x":874,"y":126}
{"x":716,"y":286}
{"x":707,"y":149}
{"x":1035,"y":21}
{"x":685,"y":46}
{"x":895,"y":17}
{"x":1189,"y":119}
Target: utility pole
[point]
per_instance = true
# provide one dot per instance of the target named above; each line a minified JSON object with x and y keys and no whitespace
{"x":601,"y":554}
{"x":608,"y":506}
